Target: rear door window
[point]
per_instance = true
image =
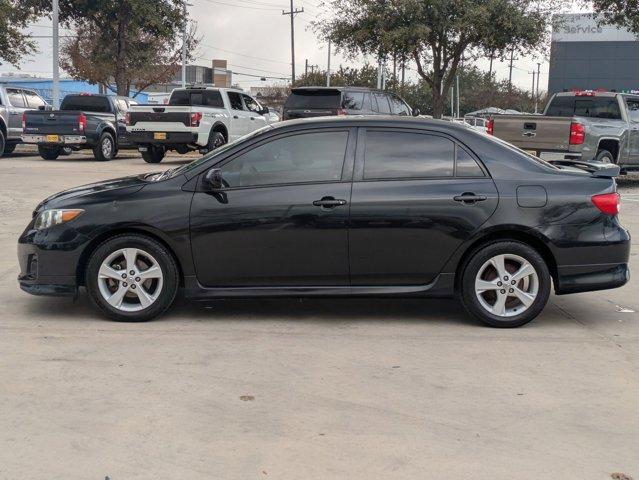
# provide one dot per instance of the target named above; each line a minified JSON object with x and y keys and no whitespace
{"x":213,"y":98}
{"x":466,"y":165}
{"x":353,"y":100}
{"x":313,"y":99}
{"x":398,"y":106}
{"x":87,"y":103}
{"x":236,"y":101}
{"x":15,"y":98}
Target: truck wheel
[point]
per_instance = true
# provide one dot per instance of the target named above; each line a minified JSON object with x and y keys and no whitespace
{"x":153,"y":154}
{"x":2,"y":144}
{"x":604,"y":156}
{"x":216,"y":139}
{"x":105,"y":149}
{"x":48,"y":153}
{"x":9,"y":148}
{"x":182,"y":149}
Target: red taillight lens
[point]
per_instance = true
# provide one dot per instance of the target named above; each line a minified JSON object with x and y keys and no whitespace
{"x":608,"y":203}
{"x":82,"y":122}
{"x":490,"y":127}
{"x":577,"y":133}
{"x":24,"y":120}
{"x":127,"y":118}
{"x":195,"y":119}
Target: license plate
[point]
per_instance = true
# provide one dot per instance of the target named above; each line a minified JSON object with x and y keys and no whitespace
{"x":53,"y":138}
{"x":159,"y":135}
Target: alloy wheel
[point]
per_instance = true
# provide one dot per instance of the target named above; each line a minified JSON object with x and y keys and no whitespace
{"x":107,"y":148}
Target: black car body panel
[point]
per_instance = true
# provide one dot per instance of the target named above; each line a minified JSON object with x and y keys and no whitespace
{"x":389,"y":237}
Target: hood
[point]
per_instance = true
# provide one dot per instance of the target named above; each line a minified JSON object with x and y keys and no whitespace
{"x":114,"y":188}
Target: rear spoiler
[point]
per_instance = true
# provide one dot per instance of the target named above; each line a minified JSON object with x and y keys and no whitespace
{"x":602,"y":170}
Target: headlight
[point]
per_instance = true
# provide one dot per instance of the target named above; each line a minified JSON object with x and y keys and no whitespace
{"x":49,"y":218}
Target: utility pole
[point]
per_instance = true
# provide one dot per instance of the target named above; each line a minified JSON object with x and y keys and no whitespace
{"x":537,"y":92}
{"x":328,"y":66}
{"x":184,"y":44}
{"x":379,"y":72}
{"x":510,"y":68}
{"x":55,"y":94}
{"x":457,"y":82}
{"x":292,"y":14}
{"x":403,"y":69}
{"x":452,"y":102}
{"x":306,"y":67}
{"x":532,"y":92}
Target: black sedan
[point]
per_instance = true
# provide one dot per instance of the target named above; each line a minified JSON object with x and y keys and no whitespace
{"x":373,"y":206}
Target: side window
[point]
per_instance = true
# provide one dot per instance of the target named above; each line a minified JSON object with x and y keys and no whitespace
{"x":213,"y":98}
{"x":121,"y":105}
{"x":353,"y":100}
{"x":15,"y":98}
{"x":197,"y":98}
{"x":308,"y":157}
{"x":236,"y":101}
{"x":398,"y":106}
{"x":34,"y":100}
{"x":367,"y":105}
{"x":251,"y":104}
{"x":407,"y":155}
{"x":382,"y":103}
{"x":465,"y":164}
{"x":633,"y":109}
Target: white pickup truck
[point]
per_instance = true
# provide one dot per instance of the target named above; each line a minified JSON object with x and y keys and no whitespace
{"x":196,"y":118}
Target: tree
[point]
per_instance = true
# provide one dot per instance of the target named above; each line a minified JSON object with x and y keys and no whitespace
{"x":436,"y":34}
{"x":623,"y":13}
{"x":129,"y":43}
{"x":13,"y":43}
{"x":343,"y":76}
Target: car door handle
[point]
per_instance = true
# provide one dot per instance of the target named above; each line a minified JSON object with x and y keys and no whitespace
{"x":329,"y":202}
{"x":14,"y":112}
{"x":252,"y":118}
{"x":236,"y":117}
{"x":469,"y":198}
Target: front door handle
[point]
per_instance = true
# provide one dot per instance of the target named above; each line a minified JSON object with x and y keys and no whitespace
{"x":469,"y":198}
{"x":236,"y":117}
{"x":329,"y":202}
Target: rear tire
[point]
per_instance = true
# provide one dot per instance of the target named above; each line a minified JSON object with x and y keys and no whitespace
{"x":2,"y":143}
{"x":216,"y":140}
{"x":153,"y":154}
{"x":487,"y":289}
{"x":105,"y":149}
{"x":604,"y":156}
{"x":132,"y":297}
{"x":9,"y":148}
{"x":48,"y":153}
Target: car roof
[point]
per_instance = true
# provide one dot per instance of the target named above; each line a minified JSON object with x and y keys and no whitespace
{"x":340,"y":89}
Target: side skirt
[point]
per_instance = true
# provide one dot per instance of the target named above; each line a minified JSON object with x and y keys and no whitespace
{"x":443,"y":287}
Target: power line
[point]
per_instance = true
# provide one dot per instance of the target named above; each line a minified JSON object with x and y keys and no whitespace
{"x":245,"y":55}
{"x":244,"y":6}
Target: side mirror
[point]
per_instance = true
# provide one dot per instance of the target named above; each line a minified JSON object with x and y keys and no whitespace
{"x":416,"y":112}
{"x":264,"y":111}
{"x":213,"y":179}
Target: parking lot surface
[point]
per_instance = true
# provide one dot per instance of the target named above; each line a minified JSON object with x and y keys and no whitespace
{"x":307,"y":389}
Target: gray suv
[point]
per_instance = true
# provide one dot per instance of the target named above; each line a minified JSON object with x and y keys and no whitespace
{"x":14,"y":101}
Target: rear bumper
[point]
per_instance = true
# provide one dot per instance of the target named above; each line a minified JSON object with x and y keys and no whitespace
{"x":172,"y":138}
{"x":588,"y":278}
{"x":62,"y":139}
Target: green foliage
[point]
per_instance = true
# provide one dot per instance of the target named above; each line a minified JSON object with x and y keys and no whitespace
{"x":343,"y":76}
{"x":623,"y":13}
{"x":436,"y":34}
{"x":13,"y":43}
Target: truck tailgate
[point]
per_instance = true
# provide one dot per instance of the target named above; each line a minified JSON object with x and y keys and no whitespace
{"x":160,"y":118}
{"x":533,"y":132}
{"x":54,"y":122}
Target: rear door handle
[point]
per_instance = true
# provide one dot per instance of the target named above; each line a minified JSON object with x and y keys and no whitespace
{"x":252,"y":118}
{"x":329,"y":202}
{"x":235,"y":116}
{"x":469,"y":198}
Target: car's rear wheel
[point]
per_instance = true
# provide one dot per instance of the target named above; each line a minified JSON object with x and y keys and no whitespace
{"x":505,"y":284}
{"x":216,"y":140}
{"x":48,"y":153}
{"x":604,"y":156}
{"x":2,"y":143}
{"x":132,"y":278}
{"x":153,"y":154}
{"x":105,"y":149}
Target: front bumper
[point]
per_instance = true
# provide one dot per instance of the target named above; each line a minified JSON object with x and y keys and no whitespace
{"x":62,"y":139}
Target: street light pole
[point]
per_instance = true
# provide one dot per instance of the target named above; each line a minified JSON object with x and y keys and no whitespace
{"x":55,"y":96}
{"x":328,"y":66}
{"x":292,"y":14}
{"x":537,"y":91}
{"x":184,"y":35}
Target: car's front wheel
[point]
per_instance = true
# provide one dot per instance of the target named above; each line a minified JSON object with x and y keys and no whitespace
{"x":132,"y":278}
{"x":505,"y":284}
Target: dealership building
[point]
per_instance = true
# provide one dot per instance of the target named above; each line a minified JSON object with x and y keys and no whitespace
{"x":588,"y":56}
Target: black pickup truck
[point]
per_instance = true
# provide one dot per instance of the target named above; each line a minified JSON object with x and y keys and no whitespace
{"x":84,"y":121}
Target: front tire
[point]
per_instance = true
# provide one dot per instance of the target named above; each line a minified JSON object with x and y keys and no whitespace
{"x":153,"y":154}
{"x":505,"y":284}
{"x":105,"y":149}
{"x":9,"y":148}
{"x":2,"y":143}
{"x":48,"y":153}
{"x":132,"y":278}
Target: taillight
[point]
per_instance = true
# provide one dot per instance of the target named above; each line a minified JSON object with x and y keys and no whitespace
{"x":341,"y":111}
{"x":607,"y":203}
{"x":127,"y":118}
{"x":24,"y":120}
{"x":577,"y":133}
{"x":195,"y":119}
{"x":490,"y":126}
{"x":82,"y":122}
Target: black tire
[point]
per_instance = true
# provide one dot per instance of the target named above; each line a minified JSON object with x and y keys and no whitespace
{"x":105,"y":149}
{"x":153,"y":154}
{"x":49,"y":153}
{"x":604,"y":156}
{"x":216,"y":140}
{"x":168,"y":289}
{"x":2,"y":143}
{"x":182,"y":149}
{"x":9,"y":148}
{"x":479,"y":258}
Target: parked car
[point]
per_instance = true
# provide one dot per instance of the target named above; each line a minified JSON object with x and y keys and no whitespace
{"x":338,"y":207}
{"x":196,"y":118}
{"x":14,"y":101}
{"x":84,"y":121}
{"x":478,"y":123}
{"x":306,"y":102}
{"x":589,"y":126}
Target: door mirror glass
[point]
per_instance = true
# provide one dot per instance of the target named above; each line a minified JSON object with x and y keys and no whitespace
{"x":213,"y":179}
{"x":416,"y":112}
{"x":264,"y":111}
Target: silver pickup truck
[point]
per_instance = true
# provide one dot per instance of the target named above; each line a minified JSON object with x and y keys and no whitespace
{"x":14,"y":101}
{"x":587,"y":126}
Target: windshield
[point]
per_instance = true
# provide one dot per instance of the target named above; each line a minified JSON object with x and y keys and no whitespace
{"x":211,"y":155}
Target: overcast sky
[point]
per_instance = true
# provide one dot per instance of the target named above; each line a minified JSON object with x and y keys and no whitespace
{"x":254,"y":37}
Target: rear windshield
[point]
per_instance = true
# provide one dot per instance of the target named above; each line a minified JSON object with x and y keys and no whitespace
{"x":86,"y":103}
{"x":314,"y":99}
{"x":209,"y":98}
{"x":592,"y":107}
